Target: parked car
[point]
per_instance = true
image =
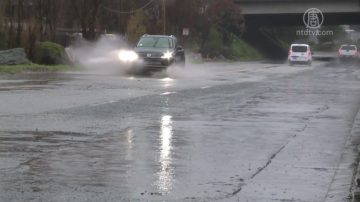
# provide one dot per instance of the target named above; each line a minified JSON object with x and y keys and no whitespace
{"x":348,"y":52}
{"x":300,"y":54}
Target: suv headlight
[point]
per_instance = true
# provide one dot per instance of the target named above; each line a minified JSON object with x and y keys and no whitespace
{"x":128,"y":56}
{"x":167,"y":55}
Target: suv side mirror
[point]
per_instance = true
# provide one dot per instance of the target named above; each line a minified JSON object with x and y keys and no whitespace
{"x":179,"y":47}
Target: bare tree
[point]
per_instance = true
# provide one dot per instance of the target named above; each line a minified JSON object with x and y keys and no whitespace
{"x":19,"y":20}
{"x":86,"y":12}
{"x":9,"y":16}
{"x":48,"y":13}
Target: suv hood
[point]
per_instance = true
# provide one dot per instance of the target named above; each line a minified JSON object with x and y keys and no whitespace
{"x":151,"y":50}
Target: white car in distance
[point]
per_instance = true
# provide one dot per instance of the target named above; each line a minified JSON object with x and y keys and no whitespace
{"x":300,"y":54}
{"x":348,"y":52}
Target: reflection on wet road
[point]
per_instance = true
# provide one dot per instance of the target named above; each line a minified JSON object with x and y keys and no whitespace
{"x":130,"y":138}
{"x":168,"y":82}
{"x":166,"y":169}
{"x":227,"y":132}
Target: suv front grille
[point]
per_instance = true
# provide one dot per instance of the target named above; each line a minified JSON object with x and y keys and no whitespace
{"x":153,"y":55}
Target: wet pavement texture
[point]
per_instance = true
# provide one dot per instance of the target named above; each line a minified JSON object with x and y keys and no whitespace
{"x":210,"y":132}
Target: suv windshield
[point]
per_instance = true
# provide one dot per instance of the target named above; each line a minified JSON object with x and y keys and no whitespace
{"x":348,"y":48}
{"x":155,"y":42}
{"x":299,"y":49}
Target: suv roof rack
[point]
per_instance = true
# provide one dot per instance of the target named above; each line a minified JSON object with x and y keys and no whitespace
{"x":171,"y":36}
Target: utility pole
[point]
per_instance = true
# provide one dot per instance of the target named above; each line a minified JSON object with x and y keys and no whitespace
{"x":123,"y":28}
{"x":164,"y":16}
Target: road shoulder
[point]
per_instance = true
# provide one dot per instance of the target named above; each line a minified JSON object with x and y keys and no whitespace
{"x":343,"y":187}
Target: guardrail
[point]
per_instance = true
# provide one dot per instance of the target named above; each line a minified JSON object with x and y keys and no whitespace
{"x":287,"y":1}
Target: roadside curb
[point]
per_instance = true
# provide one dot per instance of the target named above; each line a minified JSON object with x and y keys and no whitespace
{"x":355,"y":183}
{"x":343,"y":187}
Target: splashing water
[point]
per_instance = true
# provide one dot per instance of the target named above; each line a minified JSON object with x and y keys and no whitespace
{"x":101,"y":56}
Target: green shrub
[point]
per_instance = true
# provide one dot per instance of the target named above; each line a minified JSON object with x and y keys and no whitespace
{"x":213,"y":45}
{"x":243,"y":51}
{"x":49,"y":53}
{"x":14,"y":56}
{"x":136,"y":27}
{"x":233,"y":48}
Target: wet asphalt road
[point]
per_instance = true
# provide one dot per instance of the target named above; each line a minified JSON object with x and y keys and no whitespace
{"x":211,"y":132}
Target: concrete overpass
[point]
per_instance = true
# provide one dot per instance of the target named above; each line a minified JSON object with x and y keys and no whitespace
{"x":276,"y":13}
{"x":290,"y":12}
{"x":298,"y":6}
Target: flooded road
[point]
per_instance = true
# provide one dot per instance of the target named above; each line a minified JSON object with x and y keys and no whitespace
{"x":210,"y":132}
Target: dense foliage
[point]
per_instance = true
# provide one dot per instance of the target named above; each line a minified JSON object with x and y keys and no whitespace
{"x":48,"y":53}
{"x":26,"y":22}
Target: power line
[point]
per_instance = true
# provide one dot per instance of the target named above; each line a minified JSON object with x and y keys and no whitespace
{"x":128,"y":12}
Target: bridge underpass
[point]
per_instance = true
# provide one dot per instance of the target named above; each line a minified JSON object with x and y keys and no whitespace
{"x":280,"y":13}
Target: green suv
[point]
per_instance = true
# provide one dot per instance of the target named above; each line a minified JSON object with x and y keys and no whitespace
{"x":160,"y":51}
{"x":155,"y":52}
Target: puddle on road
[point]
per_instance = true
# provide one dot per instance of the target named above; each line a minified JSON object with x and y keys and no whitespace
{"x":51,"y":159}
{"x":25,"y":85}
{"x":49,"y":137}
{"x":273,"y":66}
{"x":32,"y":81}
{"x":221,"y":79}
